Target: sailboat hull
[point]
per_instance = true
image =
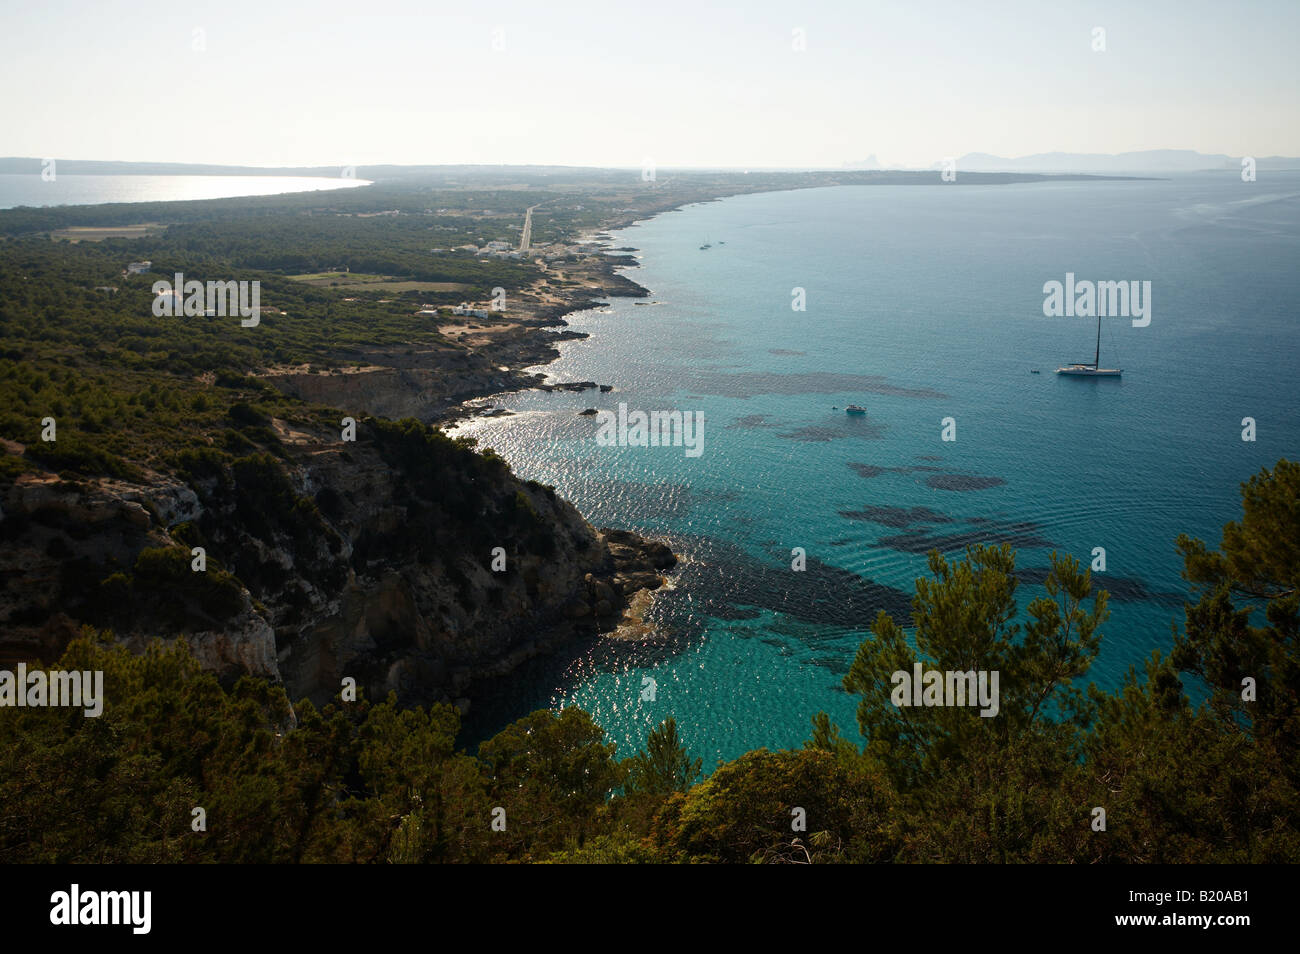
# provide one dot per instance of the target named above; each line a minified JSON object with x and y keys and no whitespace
{"x":1083,"y":370}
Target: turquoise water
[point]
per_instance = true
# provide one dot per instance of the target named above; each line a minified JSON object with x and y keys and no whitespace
{"x":32,"y":190}
{"x":922,"y":304}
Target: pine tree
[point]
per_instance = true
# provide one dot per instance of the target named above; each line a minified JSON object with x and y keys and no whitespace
{"x":664,"y":766}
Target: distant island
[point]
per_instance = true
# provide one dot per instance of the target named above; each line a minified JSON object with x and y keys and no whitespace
{"x":1150,"y":161}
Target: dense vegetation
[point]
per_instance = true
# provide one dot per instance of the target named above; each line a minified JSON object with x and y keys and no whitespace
{"x":1215,"y":782}
{"x":129,"y":389}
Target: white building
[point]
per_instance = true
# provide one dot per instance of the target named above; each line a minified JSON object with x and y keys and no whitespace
{"x":464,"y":309}
{"x":138,"y":268}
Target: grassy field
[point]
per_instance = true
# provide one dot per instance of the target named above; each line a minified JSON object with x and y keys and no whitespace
{"x":90,"y":233}
{"x":387,"y":283}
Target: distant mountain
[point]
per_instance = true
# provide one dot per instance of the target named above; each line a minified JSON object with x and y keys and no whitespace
{"x":1150,"y":160}
{"x":871,"y":162}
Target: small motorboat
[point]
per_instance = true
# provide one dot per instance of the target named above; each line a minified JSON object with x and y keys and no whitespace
{"x":855,"y":409}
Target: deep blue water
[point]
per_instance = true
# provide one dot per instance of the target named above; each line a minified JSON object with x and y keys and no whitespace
{"x":922,"y":303}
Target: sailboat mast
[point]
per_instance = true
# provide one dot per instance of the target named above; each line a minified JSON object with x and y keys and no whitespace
{"x":1096,"y":361}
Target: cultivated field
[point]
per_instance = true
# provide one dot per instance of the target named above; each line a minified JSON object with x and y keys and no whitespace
{"x":387,"y":283}
{"x":92,"y":233}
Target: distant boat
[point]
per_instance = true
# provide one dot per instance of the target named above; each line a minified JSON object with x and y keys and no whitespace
{"x":1094,"y":370}
{"x":705,"y":245}
{"x":1035,"y":371}
{"x":855,"y":409}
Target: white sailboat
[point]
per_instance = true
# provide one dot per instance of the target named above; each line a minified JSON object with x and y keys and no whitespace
{"x":1094,"y":370}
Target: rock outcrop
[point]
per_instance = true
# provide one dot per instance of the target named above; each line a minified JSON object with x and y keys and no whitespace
{"x":403,"y":560}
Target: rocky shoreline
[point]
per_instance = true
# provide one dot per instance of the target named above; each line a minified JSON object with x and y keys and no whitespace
{"x":439,"y":384}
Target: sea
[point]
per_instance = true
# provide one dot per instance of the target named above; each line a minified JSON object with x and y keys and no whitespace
{"x":32,"y":190}
{"x":925,"y":305}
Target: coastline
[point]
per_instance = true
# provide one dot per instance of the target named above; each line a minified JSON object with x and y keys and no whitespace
{"x":443,"y":386}
{"x":603,"y":281}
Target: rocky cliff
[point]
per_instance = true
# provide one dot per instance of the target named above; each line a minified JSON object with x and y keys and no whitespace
{"x":402,"y":559}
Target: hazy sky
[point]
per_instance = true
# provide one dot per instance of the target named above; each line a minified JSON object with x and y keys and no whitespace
{"x":613,"y":83}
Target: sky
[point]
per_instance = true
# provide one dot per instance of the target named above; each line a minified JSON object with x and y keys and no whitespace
{"x":617,"y":83}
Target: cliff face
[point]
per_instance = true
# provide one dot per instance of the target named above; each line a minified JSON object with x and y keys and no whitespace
{"x":61,"y":539}
{"x":397,"y":392}
{"x":403,"y":560}
{"x":430,"y":383}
